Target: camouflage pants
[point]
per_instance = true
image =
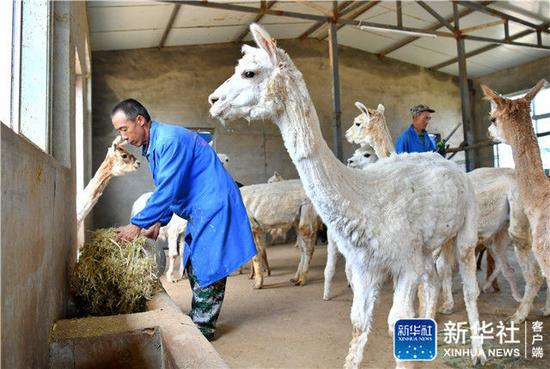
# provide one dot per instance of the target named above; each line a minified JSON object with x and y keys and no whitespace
{"x":206,"y":304}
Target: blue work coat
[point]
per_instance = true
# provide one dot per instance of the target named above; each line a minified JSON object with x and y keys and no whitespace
{"x":191,"y":181}
{"x":408,"y":141}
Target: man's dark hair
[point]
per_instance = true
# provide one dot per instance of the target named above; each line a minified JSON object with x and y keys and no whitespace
{"x":132,"y":108}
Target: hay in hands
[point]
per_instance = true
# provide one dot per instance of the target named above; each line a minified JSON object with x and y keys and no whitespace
{"x":113,"y":276}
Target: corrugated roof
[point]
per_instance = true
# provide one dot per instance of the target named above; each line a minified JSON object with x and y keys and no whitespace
{"x":116,"y":25}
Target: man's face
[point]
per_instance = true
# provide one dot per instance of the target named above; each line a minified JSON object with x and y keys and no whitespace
{"x":421,"y":120}
{"x":133,"y":131}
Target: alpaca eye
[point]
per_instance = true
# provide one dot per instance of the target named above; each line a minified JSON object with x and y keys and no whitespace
{"x":248,"y":74}
{"x":493,"y":120}
{"x":366,"y":155}
{"x":357,"y":124}
{"x":124,"y":156}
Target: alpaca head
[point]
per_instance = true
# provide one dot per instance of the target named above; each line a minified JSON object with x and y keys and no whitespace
{"x":121,"y":161}
{"x":224,"y":159}
{"x":366,"y":125}
{"x":362,"y":157}
{"x":510,"y":116}
{"x":256,"y":89}
{"x":276,"y":177}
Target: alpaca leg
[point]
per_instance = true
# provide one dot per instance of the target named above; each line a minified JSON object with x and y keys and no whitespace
{"x":467,"y":267}
{"x":301,"y":247}
{"x":172,"y":253}
{"x":430,"y":288}
{"x":258,"y":262}
{"x":266,"y":263}
{"x":499,"y":248}
{"x":491,"y":269}
{"x":531,"y":274}
{"x":444,"y":265}
{"x":541,"y":250}
{"x":403,"y":299}
{"x":330,"y":267}
{"x":307,"y":247}
{"x":366,"y":284}
{"x":349,"y":274}
{"x":546,"y":310}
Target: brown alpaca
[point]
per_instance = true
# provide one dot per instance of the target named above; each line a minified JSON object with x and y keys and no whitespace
{"x":511,"y":123}
{"x":118,"y":161}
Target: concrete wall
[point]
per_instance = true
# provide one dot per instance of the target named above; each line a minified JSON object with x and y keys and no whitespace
{"x":38,"y":238}
{"x":174,"y":84}
{"x":507,"y":81}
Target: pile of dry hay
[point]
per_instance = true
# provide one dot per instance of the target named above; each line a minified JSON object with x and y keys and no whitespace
{"x":113,"y":276}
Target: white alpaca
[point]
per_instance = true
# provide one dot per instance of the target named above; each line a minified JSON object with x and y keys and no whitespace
{"x":280,"y":205}
{"x":502,"y":220}
{"x":369,"y":130}
{"x":274,"y":233}
{"x":174,"y":231}
{"x":362,"y":157}
{"x":377,"y":215}
{"x":117,"y":162}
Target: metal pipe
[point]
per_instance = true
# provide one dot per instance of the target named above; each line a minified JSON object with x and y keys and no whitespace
{"x":337,"y":113}
{"x":464,"y":91}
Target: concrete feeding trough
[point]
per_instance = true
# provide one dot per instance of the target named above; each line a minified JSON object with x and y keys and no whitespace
{"x":161,"y":338}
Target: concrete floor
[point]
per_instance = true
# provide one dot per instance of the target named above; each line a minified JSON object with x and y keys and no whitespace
{"x":283,"y":326}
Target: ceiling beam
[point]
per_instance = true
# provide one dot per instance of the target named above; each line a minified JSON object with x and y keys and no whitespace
{"x":352,"y":15}
{"x":249,"y":9}
{"x":480,"y":50}
{"x":538,"y":45}
{"x":496,"y":13}
{"x":264,"y":5}
{"x":436,"y":15}
{"x":399,"y":13}
{"x":351,"y":22}
{"x":434,"y":27}
{"x":319,"y":24}
{"x":168,"y":27}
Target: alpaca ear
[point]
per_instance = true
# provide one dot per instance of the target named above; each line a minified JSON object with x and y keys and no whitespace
{"x":265,"y":42}
{"x":363,"y":109}
{"x":492,"y":95}
{"x":381,"y":108}
{"x":535,"y":90}
{"x":275,"y":173}
{"x":117,"y":141}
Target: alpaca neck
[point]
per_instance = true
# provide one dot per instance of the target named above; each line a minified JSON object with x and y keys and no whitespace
{"x":529,"y":170}
{"x":93,"y":191}
{"x":323,"y":176}
{"x":384,"y":145}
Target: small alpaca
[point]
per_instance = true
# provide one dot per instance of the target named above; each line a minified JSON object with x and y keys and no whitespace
{"x":511,"y":124}
{"x":117,"y":162}
{"x":280,"y":206}
{"x":358,"y":206}
{"x":362,"y":157}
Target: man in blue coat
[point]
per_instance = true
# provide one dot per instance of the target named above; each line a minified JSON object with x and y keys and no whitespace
{"x":415,"y":138}
{"x":191,"y":182}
